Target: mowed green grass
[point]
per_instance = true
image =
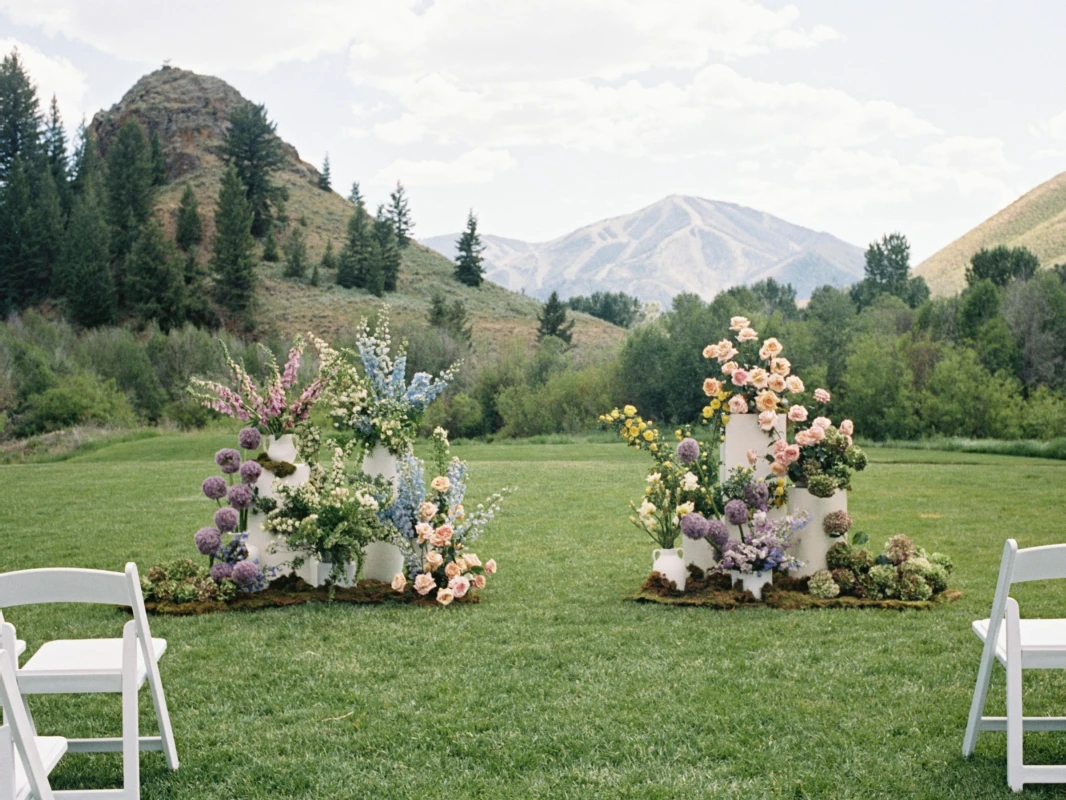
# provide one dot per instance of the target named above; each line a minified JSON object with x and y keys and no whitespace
{"x":554,"y":686}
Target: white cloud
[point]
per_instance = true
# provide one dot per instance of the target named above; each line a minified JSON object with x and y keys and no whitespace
{"x":474,"y":166}
{"x":1054,"y":128}
{"x":53,"y":75}
{"x":964,"y":153}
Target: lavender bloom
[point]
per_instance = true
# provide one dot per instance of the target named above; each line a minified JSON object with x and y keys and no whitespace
{"x":757,"y":495}
{"x":250,"y":470}
{"x":694,"y":525}
{"x":245,"y":573}
{"x":220,"y":571}
{"x":226,"y":520}
{"x":228,"y":460}
{"x":717,"y":533}
{"x":736,"y":511}
{"x":214,"y":487}
{"x":240,"y":496}
{"x":688,"y":450}
{"x":208,"y":540}
{"x":249,"y":438}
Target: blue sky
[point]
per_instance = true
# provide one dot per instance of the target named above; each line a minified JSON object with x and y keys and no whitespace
{"x":852,"y":117}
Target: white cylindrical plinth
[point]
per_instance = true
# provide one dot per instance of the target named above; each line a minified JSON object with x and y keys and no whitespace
{"x":743,"y":434}
{"x":812,"y":543}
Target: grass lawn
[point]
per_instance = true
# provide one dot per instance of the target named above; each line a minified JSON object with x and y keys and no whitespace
{"x":553,"y":686}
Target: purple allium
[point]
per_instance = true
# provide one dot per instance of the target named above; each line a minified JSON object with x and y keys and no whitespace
{"x":245,"y":573}
{"x":220,"y":571}
{"x":757,"y":495}
{"x":228,"y":460}
{"x":226,"y":520}
{"x":717,"y":533}
{"x":736,"y":511}
{"x":208,"y":540}
{"x":688,"y":450}
{"x":214,"y":487}
{"x":694,"y":525}
{"x":249,"y":438}
{"x":240,"y":496}
{"x":250,"y":470}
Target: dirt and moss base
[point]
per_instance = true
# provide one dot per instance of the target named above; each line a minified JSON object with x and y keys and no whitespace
{"x":293,"y":591}
{"x":786,"y":593}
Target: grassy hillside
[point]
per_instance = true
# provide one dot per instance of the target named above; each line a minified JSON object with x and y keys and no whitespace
{"x":1036,"y":220}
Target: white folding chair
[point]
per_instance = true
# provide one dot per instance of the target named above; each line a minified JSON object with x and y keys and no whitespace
{"x":1019,"y":644}
{"x":25,"y":759}
{"x":19,"y":647}
{"x":90,"y":666}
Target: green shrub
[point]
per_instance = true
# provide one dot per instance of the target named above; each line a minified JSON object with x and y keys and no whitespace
{"x":115,"y":353}
{"x":77,"y":400}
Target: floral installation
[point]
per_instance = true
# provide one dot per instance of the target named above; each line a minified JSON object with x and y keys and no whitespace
{"x":902,"y":571}
{"x":435,"y":529}
{"x":184,"y":581}
{"x":275,"y":408}
{"x":370,"y":394}
{"x":821,"y":457}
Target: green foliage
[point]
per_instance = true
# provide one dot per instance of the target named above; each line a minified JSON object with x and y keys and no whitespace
{"x":963,"y":398}
{"x":20,"y":117}
{"x":618,"y":308}
{"x":388,"y":253}
{"x":155,"y":279}
{"x":79,"y":399}
{"x":254,"y":150}
{"x":469,"y":266}
{"x":159,"y":161}
{"x":116,"y":355}
{"x":184,"y":581}
{"x":130,"y":191}
{"x":190,"y":228}
{"x":296,"y":255}
{"x":451,"y":317}
{"x":399,"y":215}
{"x":86,"y":279}
{"x":887,"y":272}
{"x":270,"y":247}
{"x":324,"y":181}
{"x":876,"y":388}
{"x":55,"y":149}
{"x":329,"y":260}
{"x":552,"y":321}
{"x":233,"y":249}
{"x":355,"y":254}
{"x":1001,"y":265}
{"x":15,"y":221}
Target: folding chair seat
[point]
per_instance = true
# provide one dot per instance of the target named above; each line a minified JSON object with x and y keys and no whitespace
{"x":87,"y":666}
{"x":1019,"y":644}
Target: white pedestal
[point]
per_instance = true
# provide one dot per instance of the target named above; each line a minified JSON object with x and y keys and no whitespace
{"x":753,"y":582}
{"x":379,"y":462}
{"x":742,"y":433}
{"x":316,"y":573}
{"x":382,"y":561}
{"x":698,"y":552}
{"x":812,"y":543}
{"x":257,"y":537}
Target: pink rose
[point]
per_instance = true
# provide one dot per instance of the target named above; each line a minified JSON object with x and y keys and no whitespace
{"x":822,"y":422}
{"x":427,"y":510}
{"x":822,"y":396}
{"x":847,"y":427}
{"x":445,"y":596}
{"x":791,"y":454}
{"x":740,"y":376}
{"x":452,"y":570}
{"x":424,"y":584}
{"x":424,"y":531}
{"x":399,"y":582}
{"x":710,"y":351}
{"x":778,"y":469}
{"x":817,"y":434}
{"x":803,"y":439}
{"x":459,"y":585}
{"x":711,"y":387}
{"x":767,"y":420}
{"x":797,"y":414}
{"x":758,"y":378}
{"x":747,"y":335}
{"x":433,"y":560}
{"x":739,"y":323}
{"x":479,"y":581}
{"x":738,"y":404}
{"x":794,"y":384}
{"x":729,"y":367}
{"x":442,"y":536}
{"x":781,"y":366}
{"x":753,"y":456}
{"x":490,"y":566}
{"x":779,"y":445}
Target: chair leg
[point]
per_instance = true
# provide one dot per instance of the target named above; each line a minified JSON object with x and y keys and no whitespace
{"x":7,"y":763}
{"x":131,"y":745}
{"x":980,"y":696}
{"x":1015,"y":722}
{"x":162,"y":715}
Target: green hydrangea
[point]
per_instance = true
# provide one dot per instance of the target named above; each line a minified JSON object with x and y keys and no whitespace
{"x":943,"y":561}
{"x":861,"y":561}
{"x":184,"y":581}
{"x":839,"y":556}
{"x":912,"y":586}
{"x":900,"y":548}
{"x":846,"y":580}
{"x":937,"y":578}
{"x":821,"y":485}
{"x":882,"y":582}
{"x":821,"y":584}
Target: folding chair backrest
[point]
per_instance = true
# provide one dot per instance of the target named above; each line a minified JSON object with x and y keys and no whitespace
{"x":18,"y":723}
{"x":1039,"y":563}
{"x":32,"y":586}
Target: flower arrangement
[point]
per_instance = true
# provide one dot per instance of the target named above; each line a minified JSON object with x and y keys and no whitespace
{"x":822,"y":457}
{"x":902,"y":571}
{"x":435,"y":529}
{"x":276,"y":408}
{"x":370,"y":394}
{"x":332,"y":517}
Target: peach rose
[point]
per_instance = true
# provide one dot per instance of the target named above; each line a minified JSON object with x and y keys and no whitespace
{"x":781,"y":366}
{"x":490,"y":566}
{"x":794,"y":384}
{"x":767,"y":401}
{"x":771,"y":348}
{"x":445,"y":596}
{"x":753,"y":456}
{"x":424,"y":530}
{"x":758,"y":378}
{"x":767,"y":419}
{"x":399,"y":582}
{"x":778,"y":469}
{"x":739,"y":323}
{"x":711,"y":387}
{"x":740,"y":376}
{"x":726,"y":351}
{"x":803,"y":439}
{"x":747,"y":335}
{"x":822,"y":422}
{"x":452,"y":570}
{"x":797,"y":414}
{"x":460,"y":585}
{"x":464,"y":565}
{"x":433,"y":560}
{"x":472,"y":559}
{"x":440,"y":484}
{"x":479,"y":581}
{"x":738,"y":404}
{"x":779,"y":445}
{"x":424,"y":584}
{"x":427,"y":510}
{"x":710,"y":351}
{"x":776,"y":384}
{"x":822,"y":396}
{"x":817,"y":434}
{"x":458,"y":512}
{"x":847,"y":427}
{"x":730,"y":367}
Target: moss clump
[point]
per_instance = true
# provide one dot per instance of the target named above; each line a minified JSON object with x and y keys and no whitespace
{"x":280,"y":469}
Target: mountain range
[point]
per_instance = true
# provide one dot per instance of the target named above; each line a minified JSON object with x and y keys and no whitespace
{"x":679,"y":244}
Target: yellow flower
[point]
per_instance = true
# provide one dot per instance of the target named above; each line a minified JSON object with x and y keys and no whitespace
{"x":615,"y":414}
{"x":654,"y":448}
{"x":634,"y":432}
{"x":723,"y":395}
{"x":649,"y":435}
{"x":708,"y":412}
{"x":725,"y":418}
{"x":715,"y":405}
{"x":643,"y":426}
{"x":630,"y":411}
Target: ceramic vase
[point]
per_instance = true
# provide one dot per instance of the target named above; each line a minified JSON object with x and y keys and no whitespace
{"x":669,"y":563}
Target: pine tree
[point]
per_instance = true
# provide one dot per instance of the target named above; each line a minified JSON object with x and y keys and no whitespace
{"x":86,"y":159}
{"x":355,"y":197}
{"x":15,"y":221}
{"x":198,"y":309}
{"x":159,"y":161}
{"x":385,"y":234}
{"x":452,"y":318}
{"x":20,"y":116}
{"x":270,"y":247}
{"x":469,"y":267}
{"x":329,"y":258}
{"x":375,"y":268}
{"x":296,"y":255}
{"x":44,"y":239}
{"x":86,"y":276}
{"x":129,"y":191}
{"x":55,"y":145}
{"x":190,"y":228}
{"x":315,"y":277}
{"x":155,"y":276}
{"x":352,"y":268}
{"x":552,"y":319}
{"x":253,"y":148}
{"x":324,"y":182}
{"x":400,"y":215}
{"x":233,"y":249}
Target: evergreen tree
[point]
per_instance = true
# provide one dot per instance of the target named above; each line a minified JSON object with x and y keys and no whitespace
{"x":888,"y":264}
{"x":355,"y":197}
{"x":270,"y":248}
{"x":190,"y":229}
{"x":1001,"y":265}
{"x":329,"y":261}
{"x":55,"y":146}
{"x":233,"y":249}
{"x":86,"y":159}
{"x":315,"y":277}
{"x":86,"y":277}
{"x":20,"y":116}
{"x":324,"y":182}
{"x":552,"y":319}
{"x":400,"y":215}
{"x":155,"y":276}
{"x":296,"y":255}
{"x":469,"y":268}
{"x":198,"y":309}
{"x":129,"y":191}
{"x":159,"y":161}
{"x":385,"y":234}
{"x":15,"y":222}
{"x":44,"y":239}
{"x":352,"y":269}
{"x":451,"y":317}
{"x":253,"y":148}
{"x":375,"y":268}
